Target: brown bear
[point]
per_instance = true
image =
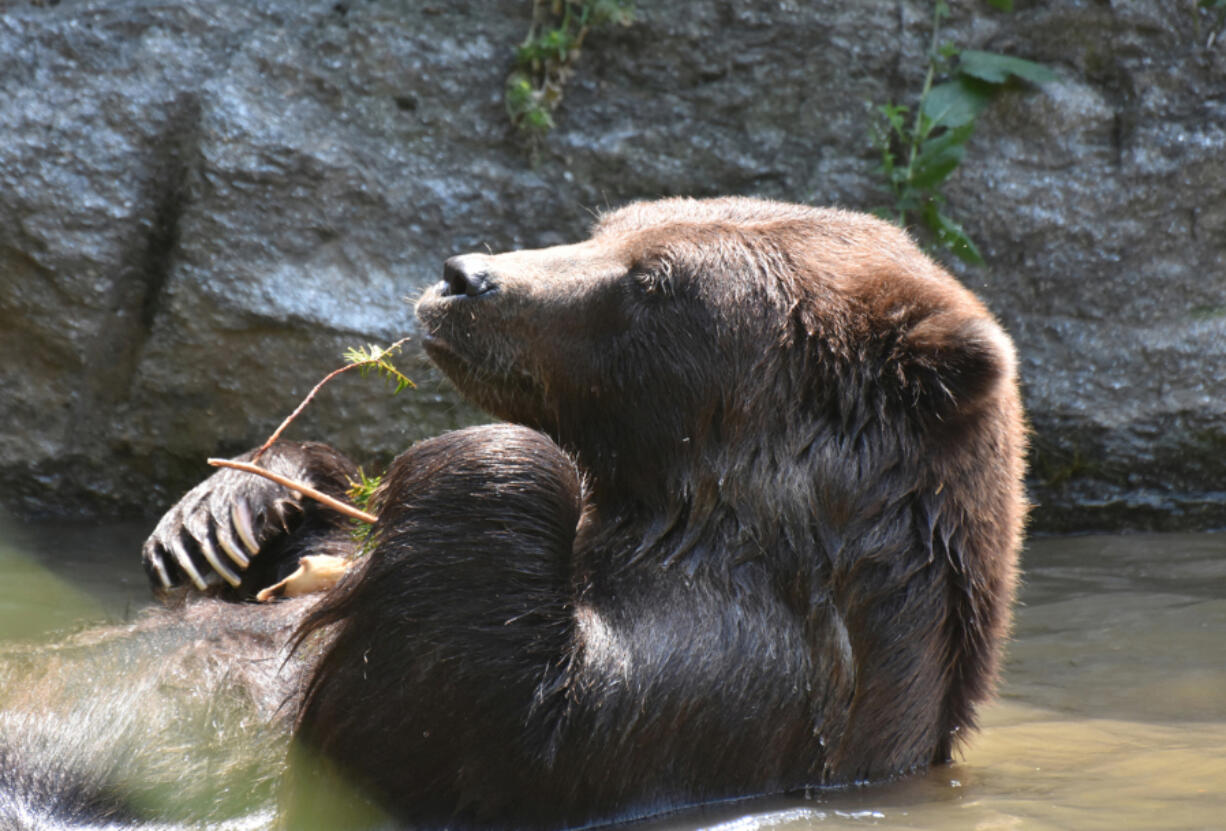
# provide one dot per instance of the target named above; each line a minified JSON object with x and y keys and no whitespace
{"x":756,"y":530}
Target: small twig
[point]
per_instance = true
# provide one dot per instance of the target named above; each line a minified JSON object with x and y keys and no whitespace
{"x":315,"y":390}
{"x":306,"y":490}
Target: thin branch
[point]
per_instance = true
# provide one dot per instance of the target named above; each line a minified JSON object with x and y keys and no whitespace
{"x":306,"y":490}
{"x":315,"y":390}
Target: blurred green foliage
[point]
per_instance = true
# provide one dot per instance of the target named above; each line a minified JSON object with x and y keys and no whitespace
{"x":545,"y":60}
{"x":921,"y":147}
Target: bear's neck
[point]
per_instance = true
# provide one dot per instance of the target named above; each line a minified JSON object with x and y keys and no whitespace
{"x":712,"y":509}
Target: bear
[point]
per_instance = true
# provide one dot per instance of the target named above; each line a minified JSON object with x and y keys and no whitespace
{"x":180,"y":717}
{"x":215,"y":524}
{"x":751,"y":526}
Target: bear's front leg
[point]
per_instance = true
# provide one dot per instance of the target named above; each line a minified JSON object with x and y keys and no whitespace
{"x":247,"y":532}
{"x":441,"y":650}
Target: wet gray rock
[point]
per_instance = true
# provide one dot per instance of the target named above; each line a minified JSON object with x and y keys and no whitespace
{"x":202,"y":204}
{"x":1101,"y":203}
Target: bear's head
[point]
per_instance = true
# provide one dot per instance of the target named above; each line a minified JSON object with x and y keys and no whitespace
{"x":690,"y":342}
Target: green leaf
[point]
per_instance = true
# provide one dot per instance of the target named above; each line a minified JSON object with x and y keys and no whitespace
{"x":929,"y":173}
{"x":518,"y":95}
{"x":894,"y":114}
{"x":996,"y":69}
{"x":552,"y":44}
{"x":908,"y":201}
{"x":950,"y":234}
{"x":538,"y":119}
{"x":956,"y":103}
{"x":369,"y":357}
{"x":888,"y":165}
{"x":1003,"y":5}
{"x":362,"y":489}
{"x":938,"y":157}
{"x":888,"y":215}
{"x":620,"y":12}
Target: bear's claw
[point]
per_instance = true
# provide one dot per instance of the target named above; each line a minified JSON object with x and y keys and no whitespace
{"x":184,"y":561}
{"x":225,"y":538}
{"x":240,"y":515}
{"x":216,"y":529}
{"x":210,"y":554}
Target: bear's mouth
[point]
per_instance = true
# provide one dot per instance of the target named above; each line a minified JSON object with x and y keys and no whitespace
{"x":437,"y":314}
{"x":462,"y":337}
{"x":444,"y":356}
{"x":434,"y":311}
{"x":498,"y":389}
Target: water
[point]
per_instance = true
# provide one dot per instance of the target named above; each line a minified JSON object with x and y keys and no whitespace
{"x":1112,"y":714}
{"x":59,"y":574}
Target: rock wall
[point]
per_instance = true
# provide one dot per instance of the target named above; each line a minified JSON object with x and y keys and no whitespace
{"x":203,"y":203}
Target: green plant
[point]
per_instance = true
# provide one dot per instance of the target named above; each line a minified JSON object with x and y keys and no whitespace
{"x":545,"y":60}
{"x":360,"y":493}
{"x":364,"y":359}
{"x":372,"y":357}
{"x":921,"y":147}
{"x":362,"y":489}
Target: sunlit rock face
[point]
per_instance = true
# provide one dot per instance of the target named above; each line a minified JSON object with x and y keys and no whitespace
{"x":202,"y":204}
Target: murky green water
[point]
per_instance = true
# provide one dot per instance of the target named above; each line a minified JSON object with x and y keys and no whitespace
{"x":56,"y":575}
{"x":1112,"y":714}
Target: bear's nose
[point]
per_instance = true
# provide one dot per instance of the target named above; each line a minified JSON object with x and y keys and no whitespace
{"x":466,"y":274}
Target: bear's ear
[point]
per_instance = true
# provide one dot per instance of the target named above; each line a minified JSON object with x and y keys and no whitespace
{"x":950,"y":364}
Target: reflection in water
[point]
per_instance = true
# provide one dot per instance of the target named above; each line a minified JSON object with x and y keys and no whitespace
{"x":1112,"y":713}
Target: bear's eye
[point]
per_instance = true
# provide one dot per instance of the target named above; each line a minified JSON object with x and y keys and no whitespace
{"x":655,"y":280}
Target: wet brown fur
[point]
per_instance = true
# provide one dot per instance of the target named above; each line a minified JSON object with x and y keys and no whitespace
{"x":795,"y":445}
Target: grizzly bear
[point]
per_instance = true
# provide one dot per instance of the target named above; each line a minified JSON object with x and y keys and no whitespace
{"x":753,"y":528}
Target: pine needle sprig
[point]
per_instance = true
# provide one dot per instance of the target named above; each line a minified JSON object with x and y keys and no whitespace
{"x":371,"y":357}
{"x":363,"y":359}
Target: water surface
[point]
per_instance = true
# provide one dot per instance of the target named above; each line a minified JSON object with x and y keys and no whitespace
{"x":1112,"y":714}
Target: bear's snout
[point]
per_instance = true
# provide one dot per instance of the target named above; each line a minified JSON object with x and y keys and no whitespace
{"x":466,"y":274}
